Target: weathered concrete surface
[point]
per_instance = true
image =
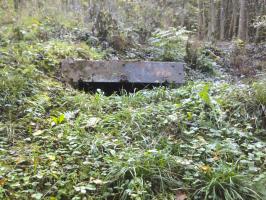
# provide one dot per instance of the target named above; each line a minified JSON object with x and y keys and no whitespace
{"x":87,"y":71}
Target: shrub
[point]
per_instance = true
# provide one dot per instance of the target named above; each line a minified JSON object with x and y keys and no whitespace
{"x":169,"y":45}
{"x":201,"y":57}
{"x":13,"y":86}
{"x":240,"y":61}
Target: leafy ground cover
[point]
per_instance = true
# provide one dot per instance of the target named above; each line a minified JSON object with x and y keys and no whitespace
{"x":204,"y":140}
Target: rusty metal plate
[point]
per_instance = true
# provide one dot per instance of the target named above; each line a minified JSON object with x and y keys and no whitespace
{"x":122,"y":71}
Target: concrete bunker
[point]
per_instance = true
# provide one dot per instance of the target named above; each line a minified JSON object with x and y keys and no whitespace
{"x":115,"y":76}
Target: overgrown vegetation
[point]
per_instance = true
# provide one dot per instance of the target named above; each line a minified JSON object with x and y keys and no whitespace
{"x":204,"y":140}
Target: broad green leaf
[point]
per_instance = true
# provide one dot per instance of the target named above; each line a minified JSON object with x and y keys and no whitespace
{"x":61,"y":118}
{"x":204,"y":94}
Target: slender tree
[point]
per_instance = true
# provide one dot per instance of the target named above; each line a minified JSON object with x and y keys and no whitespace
{"x":260,"y":9}
{"x":242,"y":32}
{"x":184,"y":12}
{"x":212,"y":21}
{"x":200,"y":20}
{"x":16,"y":4}
{"x":222,"y":20}
{"x":234,"y":20}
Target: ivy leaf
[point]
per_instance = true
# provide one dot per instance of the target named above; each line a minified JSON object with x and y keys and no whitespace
{"x":37,"y":133}
{"x":37,"y":196}
{"x":92,"y":122}
{"x":90,"y":187}
{"x":51,"y":157}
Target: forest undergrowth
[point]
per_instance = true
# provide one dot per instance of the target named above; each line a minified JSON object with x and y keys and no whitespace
{"x":203,"y":140}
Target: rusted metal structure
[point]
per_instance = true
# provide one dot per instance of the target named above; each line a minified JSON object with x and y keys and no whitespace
{"x":117,"y":74}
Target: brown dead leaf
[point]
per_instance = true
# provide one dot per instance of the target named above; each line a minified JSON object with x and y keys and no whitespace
{"x":180,"y":195}
{"x":2,"y":182}
{"x":206,"y":168}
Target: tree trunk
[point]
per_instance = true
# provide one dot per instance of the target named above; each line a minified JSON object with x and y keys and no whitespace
{"x":183,"y":14}
{"x":205,"y":30}
{"x":234,"y":20}
{"x":242,"y":32}
{"x":212,"y":20}
{"x":200,"y":20}
{"x":16,"y":4}
{"x":260,"y":9}
{"x":222,"y":20}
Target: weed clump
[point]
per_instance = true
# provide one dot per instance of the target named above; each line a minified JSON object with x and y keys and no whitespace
{"x":15,"y":85}
{"x":202,"y":58}
{"x":223,"y":182}
{"x":260,"y":92}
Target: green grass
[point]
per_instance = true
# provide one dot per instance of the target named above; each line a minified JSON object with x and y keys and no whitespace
{"x":201,"y":139}
{"x":141,"y":146}
{"x":260,"y":91}
{"x":224,"y":182}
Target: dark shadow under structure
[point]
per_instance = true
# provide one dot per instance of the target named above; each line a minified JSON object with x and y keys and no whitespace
{"x":117,"y":88}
